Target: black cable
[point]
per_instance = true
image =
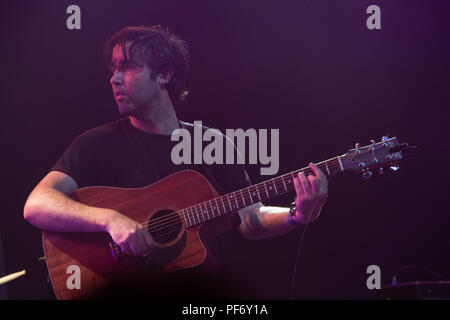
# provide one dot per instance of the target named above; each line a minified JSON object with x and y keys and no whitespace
{"x":291,"y":295}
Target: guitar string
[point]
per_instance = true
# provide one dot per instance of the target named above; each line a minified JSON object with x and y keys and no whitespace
{"x":160,"y":236}
{"x":174,"y":218}
{"x":177,"y":231}
{"x":175,"y":215}
{"x":174,"y":230}
{"x":170,"y":219}
{"x":162,"y":221}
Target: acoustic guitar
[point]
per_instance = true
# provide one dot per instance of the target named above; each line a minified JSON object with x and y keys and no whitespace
{"x":177,"y":212}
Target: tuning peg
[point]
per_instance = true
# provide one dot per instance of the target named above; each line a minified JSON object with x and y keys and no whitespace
{"x":385,"y":138}
{"x":357,"y":145}
{"x":366,"y":175}
{"x":380,"y":171}
{"x":394,"y":168}
{"x":372,"y":141}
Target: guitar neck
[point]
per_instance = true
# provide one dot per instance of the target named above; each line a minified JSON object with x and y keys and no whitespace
{"x":245,"y":197}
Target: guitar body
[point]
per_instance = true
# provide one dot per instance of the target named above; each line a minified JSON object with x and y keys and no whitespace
{"x":101,"y":263}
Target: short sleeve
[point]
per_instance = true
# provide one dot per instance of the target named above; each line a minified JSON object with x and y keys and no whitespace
{"x":79,"y":162}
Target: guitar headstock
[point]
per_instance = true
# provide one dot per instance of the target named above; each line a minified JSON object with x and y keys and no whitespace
{"x":376,"y":156}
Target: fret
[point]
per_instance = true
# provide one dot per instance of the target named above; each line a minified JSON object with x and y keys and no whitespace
{"x":275,"y":186}
{"x":326,"y":166}
{"x":200,"y":212}
{"x":243,"y":198}
{"x":187,"y":217}
{"x":217,"y":206}
{"x":250,"y":193}
{"x":185,"y":220}
{"x":229,"y":202}
{"x":284,"y":184}
{"x":197,"y":207}
{"x":223,"y":204}
{"x":235,"y":200}
{"x":193,"y":215}
{"x":266,"y":190}
{"x":207,"y":213}
{"x":340,"y":163}
{"x":257,"y":191}
{"x":212,"y":208}
{"x":270,"y":188}
{"x":289,"y":180}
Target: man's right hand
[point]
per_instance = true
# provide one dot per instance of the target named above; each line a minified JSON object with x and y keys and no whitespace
{"x":131,"y":236}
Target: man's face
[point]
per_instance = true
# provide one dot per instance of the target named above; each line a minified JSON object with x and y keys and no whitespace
{"x":133,"y":88}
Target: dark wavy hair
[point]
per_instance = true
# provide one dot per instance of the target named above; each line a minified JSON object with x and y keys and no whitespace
{"x":159,"y":49}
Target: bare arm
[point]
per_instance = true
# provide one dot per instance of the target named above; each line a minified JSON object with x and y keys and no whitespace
{"x":48,"y":207}
{"x":259,"y":222}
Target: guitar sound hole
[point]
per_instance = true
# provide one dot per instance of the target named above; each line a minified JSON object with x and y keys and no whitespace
{"x":164,"y":226}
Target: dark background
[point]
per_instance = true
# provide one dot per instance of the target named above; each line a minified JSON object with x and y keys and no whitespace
{"x":310,"y":68}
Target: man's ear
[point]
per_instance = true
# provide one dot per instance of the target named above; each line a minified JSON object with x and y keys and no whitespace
{"x":165,"y":76}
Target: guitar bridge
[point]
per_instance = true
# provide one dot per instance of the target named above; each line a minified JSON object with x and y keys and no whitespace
{"x":116,"y":251}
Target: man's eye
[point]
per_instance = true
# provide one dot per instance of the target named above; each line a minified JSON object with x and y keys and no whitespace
{"x":129,"y":65}
{"x":123,"y":67}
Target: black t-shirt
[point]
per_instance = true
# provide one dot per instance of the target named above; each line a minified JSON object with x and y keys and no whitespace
{"x":119,"y":155}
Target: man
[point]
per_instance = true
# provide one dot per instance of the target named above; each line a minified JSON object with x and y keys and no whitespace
{"x":149,"y":66}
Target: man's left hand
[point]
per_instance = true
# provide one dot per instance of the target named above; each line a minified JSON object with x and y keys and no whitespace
{"x":312,"y":191}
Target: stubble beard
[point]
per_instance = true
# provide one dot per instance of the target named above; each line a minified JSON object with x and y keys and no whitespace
{"x":130,"y":108}
{"x":127,"y":107}
{"x":124,"y":108}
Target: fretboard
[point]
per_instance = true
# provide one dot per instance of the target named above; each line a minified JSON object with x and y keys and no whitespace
{"x":245,"y":197}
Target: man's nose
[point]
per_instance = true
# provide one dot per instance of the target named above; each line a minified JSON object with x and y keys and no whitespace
{"x":116,"y":78}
